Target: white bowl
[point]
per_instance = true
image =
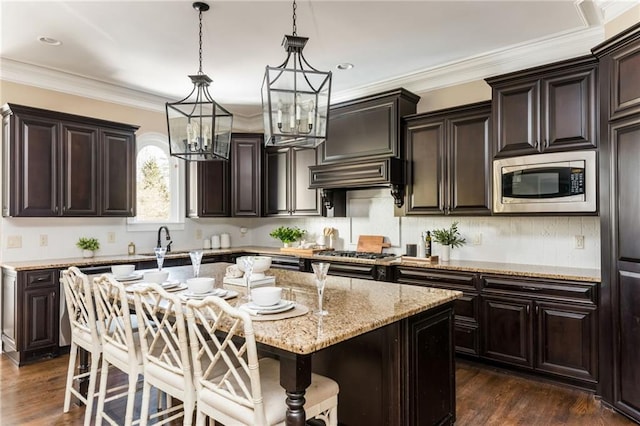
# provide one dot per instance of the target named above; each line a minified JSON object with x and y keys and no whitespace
{"x":157,"y":277}
{"x":121,"y":271}
{"x":266,"y":296}
{"x":200,"y":285}
{"x":260,"y":264}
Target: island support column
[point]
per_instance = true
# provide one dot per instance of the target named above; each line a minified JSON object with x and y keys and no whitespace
{"x":295,"y":378}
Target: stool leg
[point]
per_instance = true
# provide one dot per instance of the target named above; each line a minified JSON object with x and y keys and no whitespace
{"x":73,"y":353}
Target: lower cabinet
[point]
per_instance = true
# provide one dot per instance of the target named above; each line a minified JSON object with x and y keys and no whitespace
{"x":543,"y":326}
{"x":466,"y":308}
{"x":546,"y":326}
{"x":30,"y":312}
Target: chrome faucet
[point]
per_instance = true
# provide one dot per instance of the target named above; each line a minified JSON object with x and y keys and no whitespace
{"x":168,"y":237}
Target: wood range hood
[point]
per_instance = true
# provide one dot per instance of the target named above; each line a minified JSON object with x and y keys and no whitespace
{"x":364,"y":147}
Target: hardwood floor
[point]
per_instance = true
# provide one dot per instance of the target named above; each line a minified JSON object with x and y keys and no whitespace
{"x":34,"y":394}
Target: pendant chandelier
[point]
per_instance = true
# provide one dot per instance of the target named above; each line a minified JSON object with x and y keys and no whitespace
{"x":199,"y":128}
{"x":295,"y":98}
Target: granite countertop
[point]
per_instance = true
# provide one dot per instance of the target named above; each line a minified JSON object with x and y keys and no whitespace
{"x":355,"y":306}
{"x":521,"y":270}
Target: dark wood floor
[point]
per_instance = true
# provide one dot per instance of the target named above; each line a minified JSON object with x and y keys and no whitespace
{"x":34,"y":394}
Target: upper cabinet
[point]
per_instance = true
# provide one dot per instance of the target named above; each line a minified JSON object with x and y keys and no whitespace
{"x":545,"y":109}
{"x":448,"y":161}
{"x":227,"y":188}
{"x":286,"y":183}
{"x":57,"y":164}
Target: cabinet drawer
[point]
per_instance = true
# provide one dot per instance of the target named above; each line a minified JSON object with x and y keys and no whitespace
{"x":422,"y":276}
{"x":40,"y":278}
{"x":580,"y":292}
{"x":467,"y":338}
{"x":467,"y":307}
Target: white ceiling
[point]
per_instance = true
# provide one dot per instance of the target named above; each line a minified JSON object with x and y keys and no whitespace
{"x":140,"y":52}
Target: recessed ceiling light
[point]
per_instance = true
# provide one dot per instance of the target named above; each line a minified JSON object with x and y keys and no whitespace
{"x":344,"y":66}
{"x":49,"y":41}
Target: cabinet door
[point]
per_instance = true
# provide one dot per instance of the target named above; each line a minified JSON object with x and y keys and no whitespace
{"x":79,"y":170}
{"x":34,"y":183}
{"x":569,"y":111}
{"x":516,"y":118}
{"x":246,"y":162}
{"x":213,"y":188}
{"x":277,"y":176}
{"x":425,"y":149}
{"x":507,"y":328}
{"x":567,"y":338}
{"x":304,"y":201}
{"x":118,"y":173}
{"x":625,"y":148}
{"x":469,"y":160}
{"x":40,"y":309}
{"x":625,"y":84}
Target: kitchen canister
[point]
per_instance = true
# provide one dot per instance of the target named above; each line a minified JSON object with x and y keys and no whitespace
{"x":215,"y":241}
{"x":225,"y":240}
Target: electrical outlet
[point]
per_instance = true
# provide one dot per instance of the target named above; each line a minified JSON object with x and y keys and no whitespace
{"x":14,"y":241}
{"x":44,"y":240}
{"x":111,"y":237}
{"x":578,"y":242}
{"x":198,"y":234}
{"x":476,"y":240}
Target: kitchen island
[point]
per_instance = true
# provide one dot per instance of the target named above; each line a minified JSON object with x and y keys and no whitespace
{"x":389,"y":347}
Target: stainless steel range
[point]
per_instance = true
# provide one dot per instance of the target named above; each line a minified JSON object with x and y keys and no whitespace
{"x":355,"y":254}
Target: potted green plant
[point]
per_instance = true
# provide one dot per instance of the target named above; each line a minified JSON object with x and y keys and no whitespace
{"x":88,"y":245}
{"x":448,"y":239}
{"x":287,"y":234}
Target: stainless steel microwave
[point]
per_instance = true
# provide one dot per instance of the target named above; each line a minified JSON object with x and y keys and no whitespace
{"x":563,"y":182}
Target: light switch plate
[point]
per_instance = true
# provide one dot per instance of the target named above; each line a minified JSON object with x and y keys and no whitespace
{"x":14,"y":241}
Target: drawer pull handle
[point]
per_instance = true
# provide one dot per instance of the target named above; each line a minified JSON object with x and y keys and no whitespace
{"x":530,"y":288}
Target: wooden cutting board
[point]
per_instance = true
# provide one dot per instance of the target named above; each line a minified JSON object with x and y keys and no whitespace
{"x":371,"y":243}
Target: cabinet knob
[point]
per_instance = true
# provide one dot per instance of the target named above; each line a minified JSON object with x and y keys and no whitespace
{"x":537,"y":144}
{"x":546,"y":143}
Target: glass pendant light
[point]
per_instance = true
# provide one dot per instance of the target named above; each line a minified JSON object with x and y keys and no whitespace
{"x":295,"y":98}
{"x":199,"y":128}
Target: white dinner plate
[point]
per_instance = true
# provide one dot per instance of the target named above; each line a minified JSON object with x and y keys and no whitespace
{"x":179,"y":287}
{"x":281,"y":304}
{"x":228,"y":294}
{"x":132,"y":277}
{"x":169,"y":284}
{"x":215,"y":292}
{"x":286,"y":306}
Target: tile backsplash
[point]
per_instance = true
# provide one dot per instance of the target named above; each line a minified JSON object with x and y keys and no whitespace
{"x":528,"y":240}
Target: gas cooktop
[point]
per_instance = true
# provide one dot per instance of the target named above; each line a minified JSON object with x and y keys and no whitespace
{"x":354,"y":254}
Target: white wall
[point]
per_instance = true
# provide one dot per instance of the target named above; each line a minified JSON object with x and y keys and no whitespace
{"x":528,"y":240}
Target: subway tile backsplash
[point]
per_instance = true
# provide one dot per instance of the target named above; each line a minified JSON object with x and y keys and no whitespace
{"x":528,"y":240}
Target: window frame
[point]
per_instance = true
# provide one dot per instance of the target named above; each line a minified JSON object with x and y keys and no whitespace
{"x":176,"y":185}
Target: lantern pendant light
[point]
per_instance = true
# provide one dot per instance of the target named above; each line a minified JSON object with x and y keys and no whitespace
{"x":199,"y":128}
{"x":295,"y":98}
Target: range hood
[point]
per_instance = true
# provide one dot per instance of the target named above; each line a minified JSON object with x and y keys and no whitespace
{"x":387,"y":172}
{"x":365,"y":146}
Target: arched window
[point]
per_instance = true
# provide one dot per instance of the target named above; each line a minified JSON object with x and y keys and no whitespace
{"x":159,"y":184}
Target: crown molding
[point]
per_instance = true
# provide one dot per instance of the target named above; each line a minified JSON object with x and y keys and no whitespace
{"x":502,"y":61}
{"x":512,"y":58}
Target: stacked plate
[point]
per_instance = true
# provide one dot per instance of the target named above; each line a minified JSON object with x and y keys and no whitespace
{"x":281,"y":306}
{"x":215,"y":292}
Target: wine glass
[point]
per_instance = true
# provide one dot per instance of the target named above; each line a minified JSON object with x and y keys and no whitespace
{"x":160,"y":252}
{"x":320,"y":270}
{"x":196,"y":259}
{"x":247,"y":262}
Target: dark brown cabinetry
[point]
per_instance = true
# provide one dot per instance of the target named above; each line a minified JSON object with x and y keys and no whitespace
{"x":544,"y":325}
{"x":246,"y":174}
{"x":227,"y":188}
{"x":548,"y":108}
{"x":286,"y":187}
{"x":30,"y":311}
{"x":448,"y":161}
{"x":59,"y":164}
{"x":620,"y":234}
{"x":466,"y":308}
